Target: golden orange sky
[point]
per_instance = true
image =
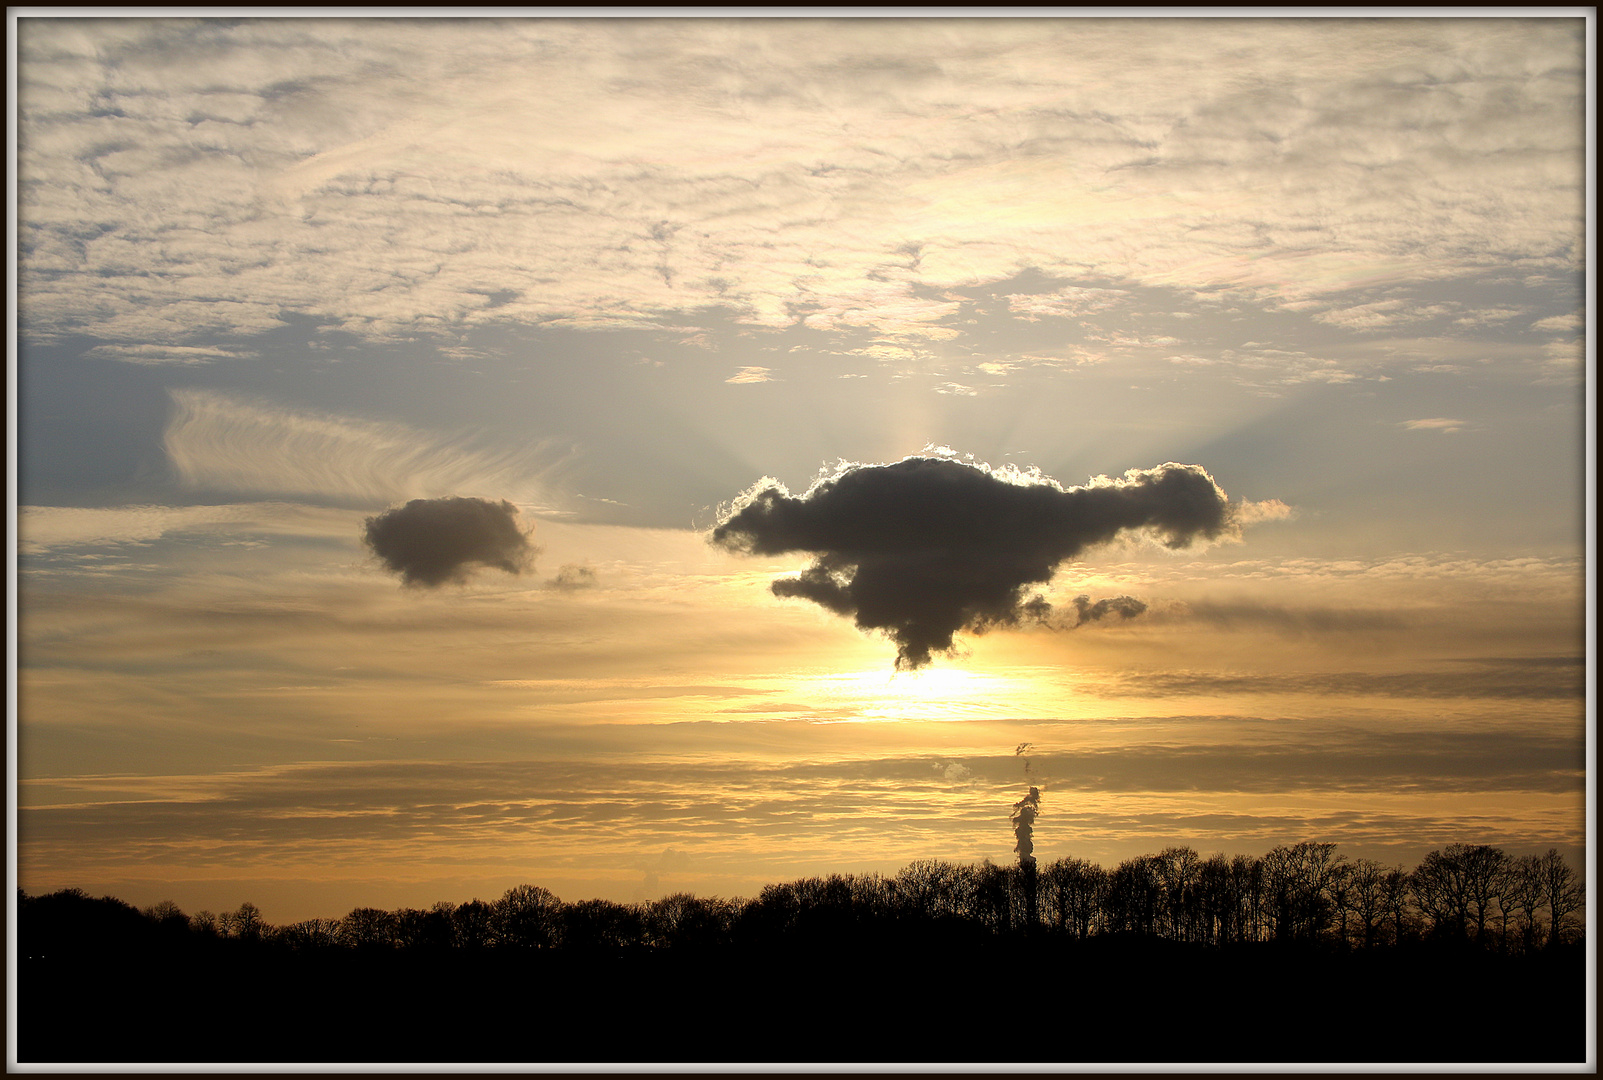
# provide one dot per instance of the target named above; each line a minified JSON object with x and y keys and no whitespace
{"x":281,"y":276}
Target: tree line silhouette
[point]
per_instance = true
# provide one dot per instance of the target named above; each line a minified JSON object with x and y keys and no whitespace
{"x":1306,"y":893}
{"x":1146,"y":960}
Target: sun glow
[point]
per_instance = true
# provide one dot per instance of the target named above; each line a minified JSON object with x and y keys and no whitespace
{"x":935,"y":693}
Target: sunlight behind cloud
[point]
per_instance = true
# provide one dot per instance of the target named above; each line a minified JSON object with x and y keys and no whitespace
{"x":929,"y":694}
{"x":276,"y":274}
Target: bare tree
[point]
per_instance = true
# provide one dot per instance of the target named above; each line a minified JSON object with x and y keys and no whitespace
{"x":1218,"y":904}
{"x":601,"y":924}
{"x":1176,"y":869}
{"x":164,"y":910}
{"x":1134,"y":896}
{"x":1248,"y":885}
{"x":1455,"y":887}
{"x":992,"y":899}
{"x":933,"y":889}
{"x":248,"y":924}
{"x":526,"y":917}
{"x":1073,"y":892}
{"x":411,"y":928}
{"x":1485,"y":867}
{"x":1338,"y":887}
{"x":922,"y":890}
{"x":1298,"y":879}
{"x":1397,"y":886}
{"x":1441,"y":893}
{"x":368,"y":928}
{"x":1564,"y":893}
{"x":169,"y":920}
{"x":1505,"y":891}
{"x":310,"y":934}
{"x":684,"y":920}
{"x":1527,"y":893}
{"x":439,"y":930}
{"x":1365,"y":900}
{"x":471,"y":924}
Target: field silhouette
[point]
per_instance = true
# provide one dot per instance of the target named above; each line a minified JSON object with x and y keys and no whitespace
{"x":1298,"y":956}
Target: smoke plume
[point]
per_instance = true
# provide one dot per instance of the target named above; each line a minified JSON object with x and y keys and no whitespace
{"x":930,"y":546}
{"x":1024,"y":812}
{"x":430,"y":542}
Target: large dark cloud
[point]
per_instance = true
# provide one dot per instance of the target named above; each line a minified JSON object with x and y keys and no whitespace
{"x":928,"y":546}
{"x":434,"y":541}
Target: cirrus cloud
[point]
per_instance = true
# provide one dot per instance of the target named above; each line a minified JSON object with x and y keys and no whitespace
{"x":219,"y":441}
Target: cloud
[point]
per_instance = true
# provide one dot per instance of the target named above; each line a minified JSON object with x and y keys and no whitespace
{"x":430,"y":542}
{"x":1248,"y":512}
{"x":165,"y":354}
{"x":750,"y":375}
{"x":1125,"y":607}
{"x":1573,"y":321}
{"x":930,"y":546}
{"x":406,"y":178}
{"x":1383,"y":314}
{"x":1507,"y":680}
{"x":530,"y":816}
{"x":1067,"y":302}
{"x":221,"y":442}
{"x":47,"y":528}
{"x":1295,"y":621}
{"x":1438,"y":423}
{"x":572,"y":576}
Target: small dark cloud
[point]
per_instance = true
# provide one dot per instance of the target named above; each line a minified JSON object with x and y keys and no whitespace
{"x":1125,"y":607}
{"x":931,"y":546}
{"x":571,"y":576}
{"x":1294,"y":622}
{"x":431,"y":542}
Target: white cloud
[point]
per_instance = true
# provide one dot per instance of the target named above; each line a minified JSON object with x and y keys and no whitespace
{"x":1387,"y":313}
{"x":1069,"y":302}
{"x":1558,"y":324}
{"x":166,"y":354}
{"x":750,"y":375}
{"x":219,"y":442}
{"x":1248,"y":512}
{"x":1564,"y":361}
{"x":1442,"y":424}
{"x":389,"y":174}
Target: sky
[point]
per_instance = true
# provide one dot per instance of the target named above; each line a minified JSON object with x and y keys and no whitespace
{"x":644,"y":455}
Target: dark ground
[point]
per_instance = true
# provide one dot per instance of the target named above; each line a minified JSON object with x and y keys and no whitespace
{"x":1110,"y":1000}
